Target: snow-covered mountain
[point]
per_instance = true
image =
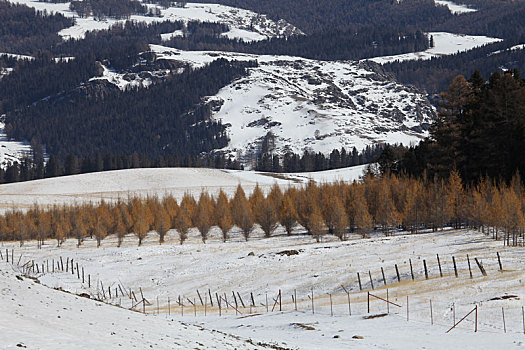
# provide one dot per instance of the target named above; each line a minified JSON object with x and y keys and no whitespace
{"x":244,"y":24}
{"x":308,"y":104}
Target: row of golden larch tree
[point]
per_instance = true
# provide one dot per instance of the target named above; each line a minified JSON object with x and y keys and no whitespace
{"x":377,"y":204}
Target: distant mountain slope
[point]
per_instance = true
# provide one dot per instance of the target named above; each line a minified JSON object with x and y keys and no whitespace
{"x":307,"y":104}
{"x":244,"y":24}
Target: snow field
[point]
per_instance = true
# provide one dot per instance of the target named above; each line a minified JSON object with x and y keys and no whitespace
{"x":454,"y":7}
{"x":170,"y":270}
{"x":36,"y":317}
{"x":120,"y":184}
{"x":444,"y":44}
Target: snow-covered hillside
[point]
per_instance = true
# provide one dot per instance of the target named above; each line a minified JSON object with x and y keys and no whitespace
{"x":244,"y":24}
{"x":11,"y":151}
{"x":293,"y":264}
{"x":454,"y":7}
{"x":112,"y":185}
{"x":444,"y":44}
{"x":308,"y":104}
{"x":36,"y":317}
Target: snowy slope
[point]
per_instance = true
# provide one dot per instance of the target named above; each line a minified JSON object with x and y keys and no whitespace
{"x":454,"y":7}
{"x":308,"y":104}
{"x":444,"y":44}
{"x":244,"y":24}
{"x":11,"y":151}
{"x":36,"y":317}
{"x":170,"y":270}
{"x":112,"y":185}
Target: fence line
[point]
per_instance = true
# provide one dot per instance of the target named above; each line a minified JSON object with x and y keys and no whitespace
{"x":117,"y":291}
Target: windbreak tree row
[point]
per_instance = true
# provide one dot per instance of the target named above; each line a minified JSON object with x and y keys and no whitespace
{"x":376,"y":205}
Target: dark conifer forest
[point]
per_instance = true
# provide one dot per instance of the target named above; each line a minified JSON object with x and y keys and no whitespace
{"x":26,"y":31}
{"x":55,"y":102}
{"x":480,"y":132}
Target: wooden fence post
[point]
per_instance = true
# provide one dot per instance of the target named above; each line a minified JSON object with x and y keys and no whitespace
{"x":199,"y":294}
{"x":387,"y":302}
{"x":235,"y":300}
{"x":397,"y":273}
{"x":407,"y":308}
{"x":504,"y":326}
{"x":240,"y":299}
{"x":411,"y":270}
{"x":523,"y":319}
{"x":431,"y":314}
{"x":480,"y":266}
{"x":455,"y":268}
{"x":469,"y":269}
{"x":218,"y":303}
{"x":368,"y":301}
{"x":313,"y":310}
{"x":331,"y":308}
{"x":476,"y":327}
{"x":211,"y":299}
{"x":350,"y":305}
{"x":439,"y":264}
{"x":499,"y":262}
{"x":371,"y":282}
{"x":359,"y":280}
{"x":425,"y":267}
{"x":383,"y":273}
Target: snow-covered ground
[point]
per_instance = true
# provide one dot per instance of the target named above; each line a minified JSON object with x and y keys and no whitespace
{"x":244,"y":24}
{"x":454,"y":7}
{"x":11,"y":151}
{"x":112,"y":185}
{"x":512,"y":48}
{"x":293,"y":264}
{"x":36,"y":317}
{"x":318,"y":105}
{"x":18,"y":57}
{"x":444,"y":44}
